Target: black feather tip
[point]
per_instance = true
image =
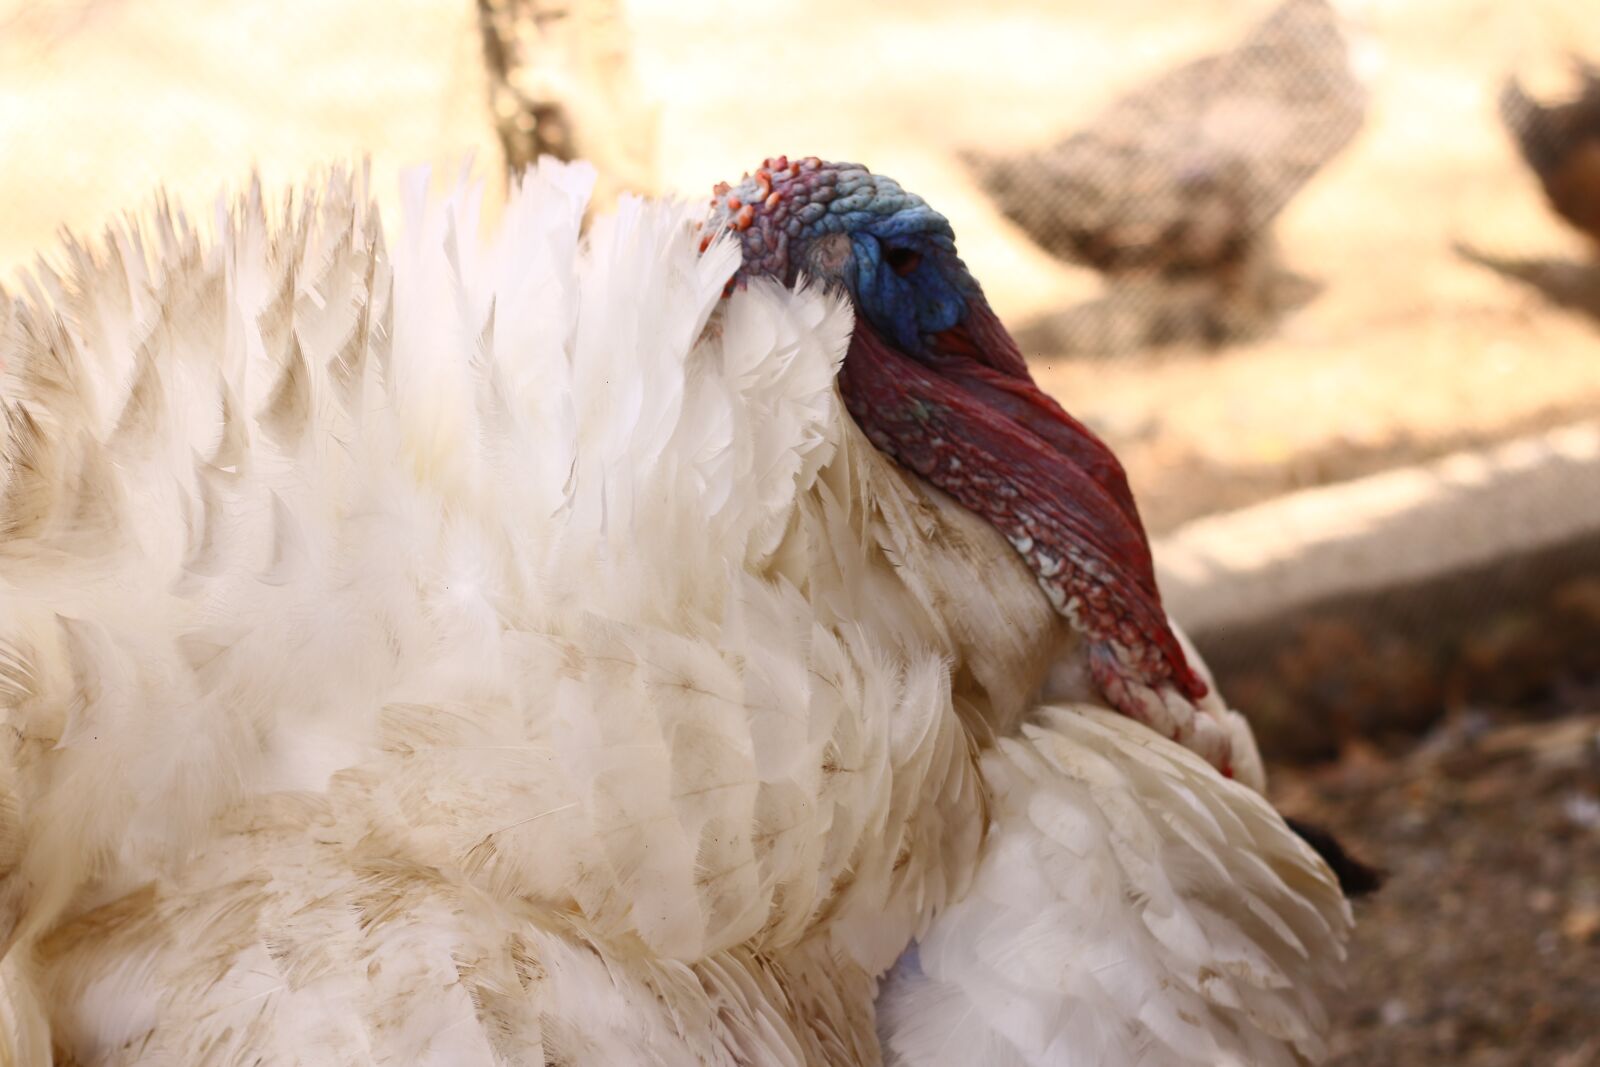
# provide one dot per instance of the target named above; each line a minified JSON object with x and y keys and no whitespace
{"x":1357,"y":879}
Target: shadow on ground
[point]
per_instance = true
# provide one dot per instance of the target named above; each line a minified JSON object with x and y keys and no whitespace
{"x":1565,"y":283}
{"x":1134,"y":319}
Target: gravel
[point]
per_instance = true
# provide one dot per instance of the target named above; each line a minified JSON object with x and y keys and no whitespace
{"x":1483,"y":950}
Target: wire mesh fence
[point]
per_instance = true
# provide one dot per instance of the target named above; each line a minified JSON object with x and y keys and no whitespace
{"x":1170,"y":193}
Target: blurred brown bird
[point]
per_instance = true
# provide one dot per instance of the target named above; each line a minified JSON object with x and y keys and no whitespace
{"x":1561,"y":142}
{"x":1173,"y":188}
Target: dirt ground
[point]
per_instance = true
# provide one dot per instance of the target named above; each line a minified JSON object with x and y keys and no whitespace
{"x":1483,"y":950}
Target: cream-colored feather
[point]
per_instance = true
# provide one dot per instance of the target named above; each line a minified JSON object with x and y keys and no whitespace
{"x":1130,"y":908}
{"x":424,"y":649}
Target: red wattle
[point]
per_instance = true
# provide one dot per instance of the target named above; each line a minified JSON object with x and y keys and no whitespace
{"x":1007,"y":452}
{"x":980,"y":352}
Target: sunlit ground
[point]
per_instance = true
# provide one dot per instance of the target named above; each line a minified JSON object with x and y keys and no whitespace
{"x":1408,"y":350}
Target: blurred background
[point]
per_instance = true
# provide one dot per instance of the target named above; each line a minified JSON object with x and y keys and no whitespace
{"x":1319,"y":270}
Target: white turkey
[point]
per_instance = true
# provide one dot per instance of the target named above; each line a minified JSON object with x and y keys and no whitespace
{"x":417,"y":650}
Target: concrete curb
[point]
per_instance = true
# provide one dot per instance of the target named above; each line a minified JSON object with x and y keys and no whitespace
{"x":1370,"y":606}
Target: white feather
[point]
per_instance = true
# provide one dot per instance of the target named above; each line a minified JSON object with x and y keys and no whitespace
{"x":1131,"y":907}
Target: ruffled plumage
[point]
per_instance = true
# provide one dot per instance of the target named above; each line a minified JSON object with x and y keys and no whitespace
{"x":437,"y":650}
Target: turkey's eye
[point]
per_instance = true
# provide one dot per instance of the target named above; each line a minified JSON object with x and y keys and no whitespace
{"x":902,"y":260}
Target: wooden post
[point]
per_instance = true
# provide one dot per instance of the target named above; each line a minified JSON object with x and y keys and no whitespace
{"x":561,"y":83}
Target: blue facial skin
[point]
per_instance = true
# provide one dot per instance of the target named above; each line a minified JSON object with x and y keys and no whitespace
{"x":909,"y":283}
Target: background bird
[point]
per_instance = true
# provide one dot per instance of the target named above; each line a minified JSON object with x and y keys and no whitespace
{"x":1170,"y":192}
{"x":1561,"y":142}
{"x":422,"y":650}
